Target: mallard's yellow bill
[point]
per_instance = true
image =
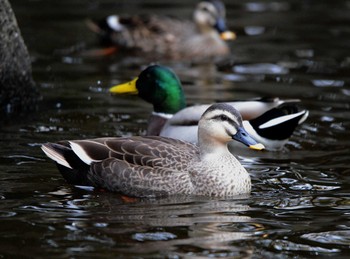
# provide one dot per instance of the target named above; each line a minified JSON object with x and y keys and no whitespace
{"x":126,"y":88}
{"x":228,"y":35}
{"x":258,"y":146}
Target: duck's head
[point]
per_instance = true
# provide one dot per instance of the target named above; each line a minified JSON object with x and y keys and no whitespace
{"x":212,"y":14}
{"x":157,"y":85}
{"x":221,"y":123}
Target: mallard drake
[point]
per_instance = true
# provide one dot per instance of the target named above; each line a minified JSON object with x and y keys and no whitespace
{"x":167,"y":37}
{"x":269,"y":121}
{"x":158,"y":166}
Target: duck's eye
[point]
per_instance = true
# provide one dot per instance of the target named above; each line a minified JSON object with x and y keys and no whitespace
{"x":205,"y":9}
{"x":224,"y":118}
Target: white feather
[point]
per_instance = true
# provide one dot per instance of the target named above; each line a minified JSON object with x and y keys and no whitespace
{"x":280,"y":120}
{"x":304,"y":117}
{"x":113,"y":23}
{"x":55,"y":156}
{"x":80,"y":152}
{"x":163,"y":115}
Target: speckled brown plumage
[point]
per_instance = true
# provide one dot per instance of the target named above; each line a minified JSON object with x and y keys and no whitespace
{"x":157,"y":166}
{"x":166,"y":37}
{"x":137,"y":166}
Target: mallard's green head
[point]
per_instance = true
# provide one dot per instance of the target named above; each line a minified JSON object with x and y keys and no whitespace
{"x":158,"y":85}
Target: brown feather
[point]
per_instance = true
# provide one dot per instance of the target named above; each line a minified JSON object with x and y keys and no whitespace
{"x":164,"y":37}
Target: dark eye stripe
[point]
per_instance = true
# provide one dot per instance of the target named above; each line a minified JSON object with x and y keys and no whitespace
{"x":223,"y":117}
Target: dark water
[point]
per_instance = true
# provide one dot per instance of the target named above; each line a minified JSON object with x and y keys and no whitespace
{"x":300,"y":204}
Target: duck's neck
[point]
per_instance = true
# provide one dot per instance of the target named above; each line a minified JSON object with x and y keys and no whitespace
{"x":156,"y":123}
{"x":211,"y":148}
{"x":204,"y":29}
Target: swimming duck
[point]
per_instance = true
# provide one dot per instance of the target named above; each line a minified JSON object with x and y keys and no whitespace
{"x":156,"y":166}
{"x":167,"y":37}
{"x":269,"y":121}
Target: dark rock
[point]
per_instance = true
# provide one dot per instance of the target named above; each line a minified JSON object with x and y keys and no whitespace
{"x":18,"y":92}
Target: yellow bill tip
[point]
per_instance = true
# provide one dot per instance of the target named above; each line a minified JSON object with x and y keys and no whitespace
{"x":228,"y":35}
{"x":258,"y":146}
{"x":125,"y":88}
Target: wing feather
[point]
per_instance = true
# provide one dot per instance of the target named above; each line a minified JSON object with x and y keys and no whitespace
{"x":135,"y":180}
{"x":135,"y":166}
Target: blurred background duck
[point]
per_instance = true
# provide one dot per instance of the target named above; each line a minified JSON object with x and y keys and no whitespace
{"x":158,"y":166}
{"x":269,"y":121}
{"x":168,"y":37}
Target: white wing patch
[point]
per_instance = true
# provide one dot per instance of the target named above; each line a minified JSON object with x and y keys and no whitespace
{"x":280,"y":120}
{"x":113,"y":23}
{"x":55,"y":156}
{"x":304,"y":117}
{"x":80,"y":152}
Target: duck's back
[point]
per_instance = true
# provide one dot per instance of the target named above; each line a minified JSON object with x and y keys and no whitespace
{"x":162,"y":37}
{"x":149,"y":33}
{"x":136,"y":166}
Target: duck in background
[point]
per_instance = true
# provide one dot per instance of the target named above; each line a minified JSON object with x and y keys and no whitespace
{"x":269,"y":121}
{"x":158,"y":166}
{"x":169,"y":38}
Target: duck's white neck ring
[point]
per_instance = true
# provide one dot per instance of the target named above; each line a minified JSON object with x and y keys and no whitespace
{"x":163,"y":115}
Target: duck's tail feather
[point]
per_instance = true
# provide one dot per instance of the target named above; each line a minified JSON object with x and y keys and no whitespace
{"x":73,"y":169}
{"x":102,"y":30}
{"x":93,"y":26}
{"x":280,"y":122}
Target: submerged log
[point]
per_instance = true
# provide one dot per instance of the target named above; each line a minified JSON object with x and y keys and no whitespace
{"x":17,"y":89}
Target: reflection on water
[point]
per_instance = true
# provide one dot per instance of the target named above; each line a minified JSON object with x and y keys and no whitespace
{"x":300,"y":203}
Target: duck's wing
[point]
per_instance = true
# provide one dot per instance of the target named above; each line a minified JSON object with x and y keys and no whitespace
{"x":121,"y":163}
{"x":139,"y":181}
{"x":249,"y":109}
{"x":274,"y":127}
{"x":146,"y":33}
{"x":146,"y":166}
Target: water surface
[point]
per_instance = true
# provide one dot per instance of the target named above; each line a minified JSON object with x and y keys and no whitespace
{"x":300,"y":204}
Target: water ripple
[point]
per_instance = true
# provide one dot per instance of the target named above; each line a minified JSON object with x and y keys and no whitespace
{"x":7,"y":214}
{"x":341,"y":237}
{"x":263,"y":68}
{"x":285,"y":245}
{"x":153,"y":236}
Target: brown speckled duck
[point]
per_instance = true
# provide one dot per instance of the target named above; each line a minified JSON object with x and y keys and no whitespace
{"x":158,"y":166}
{"x":168,"y":37}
